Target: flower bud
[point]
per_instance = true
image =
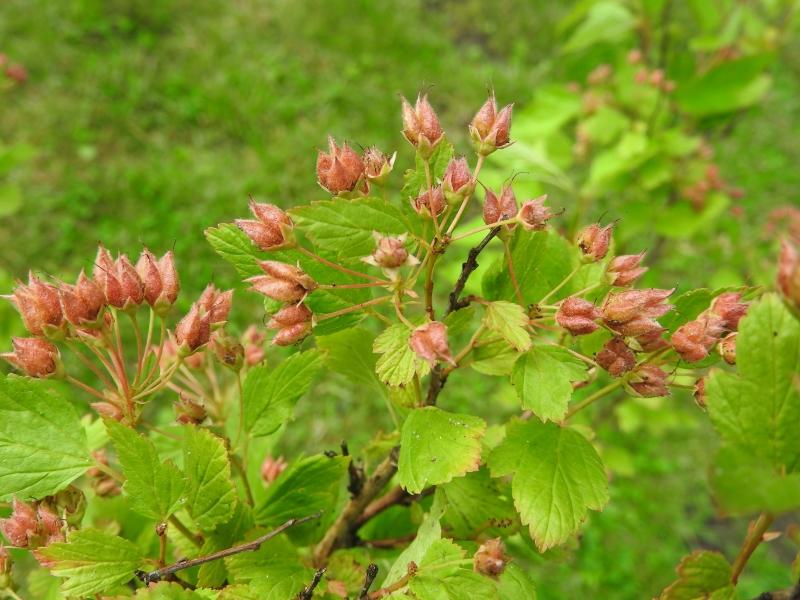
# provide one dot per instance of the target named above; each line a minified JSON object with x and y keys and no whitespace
{"x":599,"y":75}
{"x":429,"y":202}
{"x":429,"y":342}
{"x":421,"y":126}
{"x":39,"y":305}
{"x":187,"y":411}
{"x":648,"y":381}
{"x":282,"y":282}
{"x":457,"y":183}
{"x":147,"y":268}
{"x":730,"y":309}
{"x":633,"y":312}
{"x":500,"y":209}
{"x":390,"y":253}
{"x":271,"y":468}
{"x":624,"y":270}
{"x":490,"y":130}
{"x":534,"y":215}
{"x":36,"y":357}
{"x":272,"y":228}
{"x":727,"y":348}
{"x":377,"y":165}
{"x":594,"y":240}
{"x":160,"y":280}
{"x":577,"y":316}
{"x":340,"y":170}
{"x":490,"y":559}
{"x":616,"y":357}
{"x":194,"y":330}
{"x":170,"y":283}
{"x":694,"y":339}
{"x":217,"y":304}
{"x":22,"y":527}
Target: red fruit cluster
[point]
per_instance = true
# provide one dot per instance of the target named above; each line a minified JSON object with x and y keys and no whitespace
{"x":694,"y":340}
{"x":270,"y":230}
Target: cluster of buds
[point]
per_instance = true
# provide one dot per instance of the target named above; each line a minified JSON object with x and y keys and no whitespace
{"x":429,"y":342}
{"x":655,"y":78}
{"x":710,"y":181}
{"x":695,"y":339}
{"x":490,"y":129}
{"x":390,"y":254}
{"x":270,"y":230}
{"x":421,"y":126}
{"x":789,"y":274}
{"x":31,"y":525}
{"x":491,"y":558}
{"x":207,"y":315}
{"x":291,"y":285}
{"x":293,"y":323}
{"x":633,"y":313}
{"x":253,"y":343}
{"x":594,"y":241}
{"x":271,"y":468}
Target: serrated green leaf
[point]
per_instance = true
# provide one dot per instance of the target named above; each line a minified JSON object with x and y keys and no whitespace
{"x":213,"y":574}
{"x":510,"y":321}
{"x":350,"y":353}
{"x":756,"y":411}
{"x":156,"y":489}
{"x":211,"y":494}
{"x":496,"y":358}
{"x":91,"y":561}
{"x":688,"y":306}
{"x":514,"y":584}
{"x":232,"y":244}
{"x":284,"y":582}
{"x":476,"y":503}
{"x":543,"y":380}
{"x":271,"y":393}
{"x":703,"y":575}
{"x":398,"y":363}
{"x":276,"y":554}
{"x":427,"y":534}
{"x":172,"y":591}
{"x":436,"y":446}
{"x":557,"y":478}
{"x":346,"y":226}
{"x":43,"y":446}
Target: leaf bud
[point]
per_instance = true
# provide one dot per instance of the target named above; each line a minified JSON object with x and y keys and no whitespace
{"x":490,"y":130}
{"x":624,"y":270}
{"x":534,"y":215}
{"x":500,"y":209}
{"x":577,"y":316}
{"x":490,"y":559}
{"x":594,"y":241}
{"x":648,"y":381}
{"x":340,"y":169}
{"x":421,"y":126}
{"x":36,"y":357}
{"x":616,"y":357}
{"x":429,"y":342}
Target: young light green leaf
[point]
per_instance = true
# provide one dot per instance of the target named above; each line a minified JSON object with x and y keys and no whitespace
{"x":557,"y":478}
{"x":703,"y":575}
{"x":232,"y":244}
{"x":156,"y":489}
{"x":427,"y":534}
{"x":495,"y":358}
{"x":346,"y":226}
{"x":271,"y":393}
{"x":757,"y":410}
{"x":165,"y":590}
{"x":477,"y":503}
{"x":91,"y":561}
{"x":436,"y":446}
{"x":543,"y":379}
{"x":43,"y":446}
{"x":510,"y":321}
{"x":514,"y":584}
{"x":439,"y":575}
{"x":211,"y":494}
{"x":398,"y":363}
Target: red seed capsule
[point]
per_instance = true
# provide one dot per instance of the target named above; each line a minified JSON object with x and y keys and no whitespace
{"x":616,"y":357}
{"x":340,"y":169}
{"x":36,"y":357}
{"x":577,"y":316}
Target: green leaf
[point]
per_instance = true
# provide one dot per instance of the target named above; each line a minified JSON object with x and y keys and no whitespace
{"x":276,"y":555}
{"x":398,"y":363}
{"x":607,"y":21}
{"x":232,"y":244}
{"x":510,"y":321}
{"x":514,"y":584}
{"x":172,"y":591}
{"x":92,"y":561}
{"x":543,"y":379}
{"x":271,"y":393}
{"x":211,"y":494}
{"x":214,"y":574}
{"x":439,"y":576}
{"x":156,"y":489}
{"x":476,"y":503}
{"x":687,"y":306}
{"x":43,"y":446}
{"x":557,"y":478}
{"x":496,"y":358}
{"x":350,"y":353}
{"x":415,"y":179}
{"x":346,"y":226}
{"x":703,"y":575}
{"x":436,"y":446}
{"x":308,"y":486}
{"x":756,"y":410}
{"x":427,"y":534}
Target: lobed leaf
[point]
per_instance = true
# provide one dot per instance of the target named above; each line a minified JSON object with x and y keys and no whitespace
{"x":703,"y":575}
{"x":211,"y":495}
{"x":543,"y":380}
{"x":398,"y":363}
{"x":510,"y":321}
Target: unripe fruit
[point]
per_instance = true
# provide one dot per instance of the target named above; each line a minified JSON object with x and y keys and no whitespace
{"x":577,"y":316}
{"x":429,"y":342}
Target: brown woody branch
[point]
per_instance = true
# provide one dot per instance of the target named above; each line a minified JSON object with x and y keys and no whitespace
{"x":792,"y":593}
{"x":165,"y":572}
{"x":372,"y":573}
{"x":395,"y":496}
{"x":308,"y":591}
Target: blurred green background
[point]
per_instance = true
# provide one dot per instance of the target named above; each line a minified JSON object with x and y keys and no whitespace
{"x":145,"y":122}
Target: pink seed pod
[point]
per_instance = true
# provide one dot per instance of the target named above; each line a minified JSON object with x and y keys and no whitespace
{"x":534,"y":214}
{"x":693,"y":340}
{"x":730,"y":309}
{"x":340,"y":169}
{"x":789,"y":273}
{"x":600,"y":74}
{"x":429,"y":342}
{"x":193,"y":330}
{"x":282,"y":282}
{"x":147,"y":268}
{"x":700,"y":392}
{"x":289,"y":316}
{"x":39,"y":305}
{"x":500,"y":209}
{"x":272,"y":228}
{"x":727,"y":348}
{"x":170,"y":283}
{"x":649,"y":381}
{"x":457,"y":183}
{"x":624,"y":307}
{"x":292,"y":334}
{"x":50,"y":524}
{"x":491,"y":558}
{"x":271,"y":468}
{"x":490,"y":130}
{"x":130,"y":282}
{"x":390,"y":253}
{"x":421,"y":126}
{"x":36,"y":357}
{"x":625,"y":270}
{"x":652,"y":340}
{"x":594,"y":241}
{"x":429,"y":202}
{"x":187,"y":411}
{"x":577,"y":316}
{"x":22,"y":527}
{"x":616,"y":358}
{"x":377,"y":165}
{"x":216,"y":304}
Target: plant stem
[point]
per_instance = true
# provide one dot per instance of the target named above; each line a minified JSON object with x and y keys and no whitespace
{"x":194,"y":538}
{"x":755,"y":534}
{"x":472,"y":232}
{"x":308,"y":591}
{"x":369,"y":578}
{"x":434,"y":216}
{"x":564,"y":282}
{"x":353,"y":308}
{"x":467,"y":268}
{"x":338,"y":267}
{"x":429,"y":287}
{"x":593,"y":397}
{"x":159,"y":574}
{"x":351,"y":286}
{"x":161,"y":531}
{"x":85,"y":387}
{"x":511,"y":273}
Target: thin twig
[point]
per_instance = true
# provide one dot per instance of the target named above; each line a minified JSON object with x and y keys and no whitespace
{"x":159,"y":574}
{"x":755,"y":535}
{"x":369,"y":578}
{"x":467,"y":269}
{"x":308,"y":591}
